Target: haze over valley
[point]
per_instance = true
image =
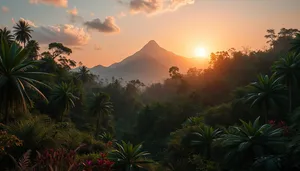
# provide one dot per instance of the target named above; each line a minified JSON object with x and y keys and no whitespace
{"x":149,"y":85}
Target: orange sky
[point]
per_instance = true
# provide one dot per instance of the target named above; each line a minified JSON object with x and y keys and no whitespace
{"x":212,"y":24}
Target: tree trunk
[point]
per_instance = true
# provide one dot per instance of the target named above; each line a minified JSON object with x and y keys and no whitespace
{"x":267,"y":113}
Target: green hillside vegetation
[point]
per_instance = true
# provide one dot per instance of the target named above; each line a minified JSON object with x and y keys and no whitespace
{"x":240,"y":114}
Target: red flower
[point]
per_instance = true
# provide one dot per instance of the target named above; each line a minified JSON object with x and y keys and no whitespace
{"x":103,"y":155}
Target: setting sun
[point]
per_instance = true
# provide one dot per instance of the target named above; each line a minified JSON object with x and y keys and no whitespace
{"x":200,"y":52}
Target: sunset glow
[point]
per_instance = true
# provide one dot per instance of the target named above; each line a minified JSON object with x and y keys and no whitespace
{"x":200,"y":52}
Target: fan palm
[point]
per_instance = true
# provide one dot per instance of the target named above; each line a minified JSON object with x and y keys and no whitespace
{"x":6,"y":35}
{"x":63,"y":98}
{"x":16,"y":79}
{"x":296,"y":45}
{"x":84,"y":75}
{"x":100,"y":107}
{"x":288,"y":68}
{"x":22,"y":32}
{"x":204,"y":139}
{"x":129,"y":157}
{"x":267,"y":91}
{"x":252,"y":140}
{"x":33,"y":48}
{"x":107,"y":137}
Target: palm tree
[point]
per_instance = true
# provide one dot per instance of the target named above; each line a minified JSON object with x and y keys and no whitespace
{"x":252,"y":140}
{"x":296,"y":45}
{"x":84,"y":75}
{"x":203,"y":139}
{"x":16,"y":79}
{"x":63,"y":98}
{"x":33,"y":48}
{"x":6,"y":35}
{"x":107,"y":137}
{"x":129,"y":157}
{"x":288,"y":68}
{"x":22,"y":32}
{"x":100,"y":107}
{"x":267,"y":91}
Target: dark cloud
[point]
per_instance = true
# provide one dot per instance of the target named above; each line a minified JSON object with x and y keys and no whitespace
{"x":108,"y":26}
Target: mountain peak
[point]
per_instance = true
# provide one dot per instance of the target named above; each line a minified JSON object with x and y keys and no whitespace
{"x":151,"y":45}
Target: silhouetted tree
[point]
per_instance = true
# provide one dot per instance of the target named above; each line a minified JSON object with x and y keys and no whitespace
{"x":22,"y":32}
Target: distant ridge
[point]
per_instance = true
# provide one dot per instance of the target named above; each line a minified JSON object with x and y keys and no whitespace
{"x":150,"y":64}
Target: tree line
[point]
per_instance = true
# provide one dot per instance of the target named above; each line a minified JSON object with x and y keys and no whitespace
{"x":240,"y":114}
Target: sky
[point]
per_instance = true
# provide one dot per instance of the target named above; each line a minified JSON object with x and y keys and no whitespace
{"x":107,"y":31}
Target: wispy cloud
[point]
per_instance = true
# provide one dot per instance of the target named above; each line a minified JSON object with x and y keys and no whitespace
{"x":4,"y":9}
{"x":121,"y":14}
{"x":74,"y":15}
{"x":175,"y":4}
{"x":107,"y":26}
{"x":57,"y":3}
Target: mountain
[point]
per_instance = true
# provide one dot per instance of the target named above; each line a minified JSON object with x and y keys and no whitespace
{"x":150,"y":64}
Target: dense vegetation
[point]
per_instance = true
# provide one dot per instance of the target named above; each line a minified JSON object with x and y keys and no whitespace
{"x":240,"y":114}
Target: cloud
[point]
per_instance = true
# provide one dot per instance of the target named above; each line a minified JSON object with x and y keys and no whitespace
{"x":175,"y":4}
{"x":147,"y":6}
{"x":121,"y":15}
{"x":108,"y":26}
{"x":65,"y":33}
{"x":74,"y":17}
{"x":92,"y":14}
{"x":57,"y":3}
{"x":73,"y":11}
{"x":31,"y":23}
{"x":4,"y":9}
{"x":154,"y":6}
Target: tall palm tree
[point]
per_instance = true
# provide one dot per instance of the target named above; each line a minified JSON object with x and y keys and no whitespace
{"x":63,"y":98}
{"x":84,"y":75}
{"x":252,"y":140}
{"x":129,"y":157}
{"x":288,"y":68}
{"x":16,"y":79}
{"x":6,"y":35}
{"x":33,"y":48}
{"x":22,"y":32}
{"x":266,"y":92}
{"x":296,"y":45}
{"x":101,"y":107}
{"x":203,"y":139}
